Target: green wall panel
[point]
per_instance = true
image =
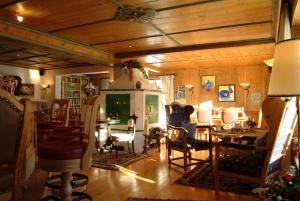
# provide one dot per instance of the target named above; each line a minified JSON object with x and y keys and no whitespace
{"x":152,"y":110}
{"x":118,"y":105}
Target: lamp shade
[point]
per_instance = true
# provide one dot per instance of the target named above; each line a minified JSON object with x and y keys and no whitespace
{"x":285,"y":75}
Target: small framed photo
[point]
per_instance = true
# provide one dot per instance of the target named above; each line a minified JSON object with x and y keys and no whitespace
{"x":226,"y":93}
{"x":208,"y":83}
{"x":27,"y":90}
{"x":180,"y":92}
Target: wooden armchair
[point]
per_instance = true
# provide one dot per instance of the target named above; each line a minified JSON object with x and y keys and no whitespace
{"x":262,"y":161}
{"x":181,"y":137}
{"x":15,"y":132}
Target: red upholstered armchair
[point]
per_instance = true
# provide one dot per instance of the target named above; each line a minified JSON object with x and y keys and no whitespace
{"x":69,"y":156}
{"x":59,"y":116}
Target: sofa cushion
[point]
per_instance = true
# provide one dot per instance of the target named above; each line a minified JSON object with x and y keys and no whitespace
{"x":68,"y":138}
{"x":49,"y":125}
{"x":61,"y":151}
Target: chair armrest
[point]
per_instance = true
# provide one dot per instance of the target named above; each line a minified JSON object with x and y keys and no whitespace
{"x":177,"y":128}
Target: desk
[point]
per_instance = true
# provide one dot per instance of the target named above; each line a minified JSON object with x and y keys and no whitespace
{"x":108,"y":122}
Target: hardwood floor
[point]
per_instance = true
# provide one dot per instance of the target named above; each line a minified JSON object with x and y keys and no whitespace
{"x":150,"y":177}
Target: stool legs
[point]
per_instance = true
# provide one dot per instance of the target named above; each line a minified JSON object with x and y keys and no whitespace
{"x":66,"y":188}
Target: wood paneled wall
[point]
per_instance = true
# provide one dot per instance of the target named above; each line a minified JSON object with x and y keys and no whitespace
{"x":257,"y":76}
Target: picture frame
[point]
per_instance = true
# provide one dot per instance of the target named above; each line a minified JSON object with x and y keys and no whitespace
{"x":226,"y":93}
{"x":27,"y":90}
{"x":208,"y":83}
{"x":180,"y":92}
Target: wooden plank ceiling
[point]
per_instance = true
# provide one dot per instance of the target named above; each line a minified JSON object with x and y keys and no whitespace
{"x":178,"y":25}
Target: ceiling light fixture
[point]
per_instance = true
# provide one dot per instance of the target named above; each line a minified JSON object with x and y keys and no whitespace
{"x":135,"y":14}
{"x":20,"y":18}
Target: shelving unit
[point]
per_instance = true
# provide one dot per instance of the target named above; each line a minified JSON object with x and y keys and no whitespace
{"x":73,"y":88}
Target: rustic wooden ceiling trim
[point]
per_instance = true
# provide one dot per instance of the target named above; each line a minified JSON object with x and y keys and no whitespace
{"x":10,"y":3}
{"x":197,"y":47}
{"x":17,"y":65}
{"x":118,"y":3}
{"x":13,"y":30}
{"x":82,"y":25}
{"x":126,"y":40}
{"x":187,"y":5}
{"x":221,"y":27}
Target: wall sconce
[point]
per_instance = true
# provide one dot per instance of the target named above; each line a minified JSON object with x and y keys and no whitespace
{"x":246,"y":86}
{"x":44,"y":90}
{"x":189,"y":87}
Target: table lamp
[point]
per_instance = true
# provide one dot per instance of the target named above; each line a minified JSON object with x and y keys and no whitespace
{"x":285,"y":76}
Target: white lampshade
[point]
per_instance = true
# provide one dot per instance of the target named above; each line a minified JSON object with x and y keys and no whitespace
{"x":285,"y":75}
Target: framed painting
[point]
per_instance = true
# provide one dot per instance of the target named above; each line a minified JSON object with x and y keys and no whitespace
{"x":208,"y":83}
{"x":226,"y":93}
{"x":27,"y":90}
{"x":180,"y":93}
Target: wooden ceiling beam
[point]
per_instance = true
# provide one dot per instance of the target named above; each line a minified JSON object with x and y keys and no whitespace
{"x":23,"y":34}
{"x":10,"y":3}
{"x":197,"y":47}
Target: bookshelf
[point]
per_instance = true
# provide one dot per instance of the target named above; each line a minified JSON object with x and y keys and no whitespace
{"x":73,"y":89}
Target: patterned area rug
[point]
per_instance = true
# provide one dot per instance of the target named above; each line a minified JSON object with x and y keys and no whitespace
{"x":202,"y":176}
{"x":110,"y":162}
{"x":154,"y":199}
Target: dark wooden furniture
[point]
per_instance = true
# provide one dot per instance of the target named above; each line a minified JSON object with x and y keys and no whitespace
{"x":179,"y":138}
{"x":261,"y":162}
{"x":15,"y":132}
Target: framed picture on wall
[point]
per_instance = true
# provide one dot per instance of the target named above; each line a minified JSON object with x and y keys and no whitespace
{"x":208,"y":83}
{"x":180,"y":93}
{"x":226,"y":93}
{"x":27,"y":90}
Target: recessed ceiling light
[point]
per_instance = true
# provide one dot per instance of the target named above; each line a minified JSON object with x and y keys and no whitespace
{"x":130,"y":46}
{"x":18,"y":55}
{"x":20,"y":18}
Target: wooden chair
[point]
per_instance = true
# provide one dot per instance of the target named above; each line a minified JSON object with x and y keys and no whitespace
{"x":127,"y":137}
{"x":180,"y":138}
{"x":59,"y":117}
{"x":15,"y":132}
{"x":67,"y":157}
{"x":260,"y":162}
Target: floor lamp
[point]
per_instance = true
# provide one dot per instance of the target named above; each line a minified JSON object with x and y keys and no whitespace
{"x":285,"y":75}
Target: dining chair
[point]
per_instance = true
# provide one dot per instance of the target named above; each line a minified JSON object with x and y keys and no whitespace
{"x":125,"y":137}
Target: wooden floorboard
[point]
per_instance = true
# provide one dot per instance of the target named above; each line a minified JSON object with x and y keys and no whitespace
{"x":150,"y":177}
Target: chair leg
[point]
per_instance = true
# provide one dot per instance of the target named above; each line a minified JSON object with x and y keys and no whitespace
{"x":169,"y":155}
{"x":128,"y":145}
{"x":185,"y":160}
{"x":132,"y":144}
{"x":66,"y":188}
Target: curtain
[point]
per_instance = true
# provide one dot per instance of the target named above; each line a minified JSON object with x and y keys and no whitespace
{"x":167,"y":87}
